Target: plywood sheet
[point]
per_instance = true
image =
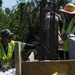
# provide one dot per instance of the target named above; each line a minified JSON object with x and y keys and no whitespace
{"x":63,"y":67}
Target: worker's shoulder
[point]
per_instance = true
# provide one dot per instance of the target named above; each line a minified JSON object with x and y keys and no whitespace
{"x":18,"y":42}
{"x":12,"y":41}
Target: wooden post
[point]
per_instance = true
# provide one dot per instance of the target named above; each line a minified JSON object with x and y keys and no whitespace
{"x":18,"y":57}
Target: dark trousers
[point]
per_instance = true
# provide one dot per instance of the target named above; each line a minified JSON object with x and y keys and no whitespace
{"x":66,"y":55}
{"x":63,"y":55}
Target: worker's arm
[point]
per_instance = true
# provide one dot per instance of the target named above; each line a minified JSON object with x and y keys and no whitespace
{"x":27,"y":49}
{"x":4,"y":67}
{"x":29,"y":46}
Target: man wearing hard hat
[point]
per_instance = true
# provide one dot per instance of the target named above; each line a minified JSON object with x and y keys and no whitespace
{"x":7,"y":46}
{"x":68,"y":25}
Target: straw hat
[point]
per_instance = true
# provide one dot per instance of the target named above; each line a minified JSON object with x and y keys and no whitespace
{"x":69,"y":8}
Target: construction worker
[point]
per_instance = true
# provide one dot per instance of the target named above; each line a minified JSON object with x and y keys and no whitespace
{"x":68,"y":25}
{"x":7,"y":48}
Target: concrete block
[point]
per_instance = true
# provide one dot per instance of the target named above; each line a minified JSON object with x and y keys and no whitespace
{"x":71,"y":42}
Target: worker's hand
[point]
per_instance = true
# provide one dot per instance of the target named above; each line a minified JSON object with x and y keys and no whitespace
{"x":5,"y":68}
{"x":64,"y":37}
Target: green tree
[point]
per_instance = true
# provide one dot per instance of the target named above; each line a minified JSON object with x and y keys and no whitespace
{"x":7,"y":11}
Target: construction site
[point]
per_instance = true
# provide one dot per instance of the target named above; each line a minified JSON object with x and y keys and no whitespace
{"x":51,"y":59}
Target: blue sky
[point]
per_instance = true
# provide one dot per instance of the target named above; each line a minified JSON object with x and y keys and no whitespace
{"x":9,"y":3}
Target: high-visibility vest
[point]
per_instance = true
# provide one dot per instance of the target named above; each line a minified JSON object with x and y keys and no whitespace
{"x":7,"y":59}
{"x":68,"y":31}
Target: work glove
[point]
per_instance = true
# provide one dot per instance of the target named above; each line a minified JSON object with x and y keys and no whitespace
{"x":64,"y":36}
{"x":5,"y":68}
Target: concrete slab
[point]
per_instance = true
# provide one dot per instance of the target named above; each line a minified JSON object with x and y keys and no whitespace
{"x":71,"y":47}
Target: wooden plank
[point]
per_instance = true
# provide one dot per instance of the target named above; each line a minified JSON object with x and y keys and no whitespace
{"x":63,"y":67}
{"x":31,"y":57}
{"x":18,"y":57}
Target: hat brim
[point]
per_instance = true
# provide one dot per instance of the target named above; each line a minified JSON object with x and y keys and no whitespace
{"x":11,"y":35}
{"x":65,"y":11}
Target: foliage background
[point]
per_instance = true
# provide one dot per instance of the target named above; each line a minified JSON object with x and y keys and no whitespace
{"x":24,"y":20}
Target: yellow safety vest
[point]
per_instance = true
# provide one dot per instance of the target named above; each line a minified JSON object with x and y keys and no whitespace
{"x":68,"y":31}
{"x":7,"y":59}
